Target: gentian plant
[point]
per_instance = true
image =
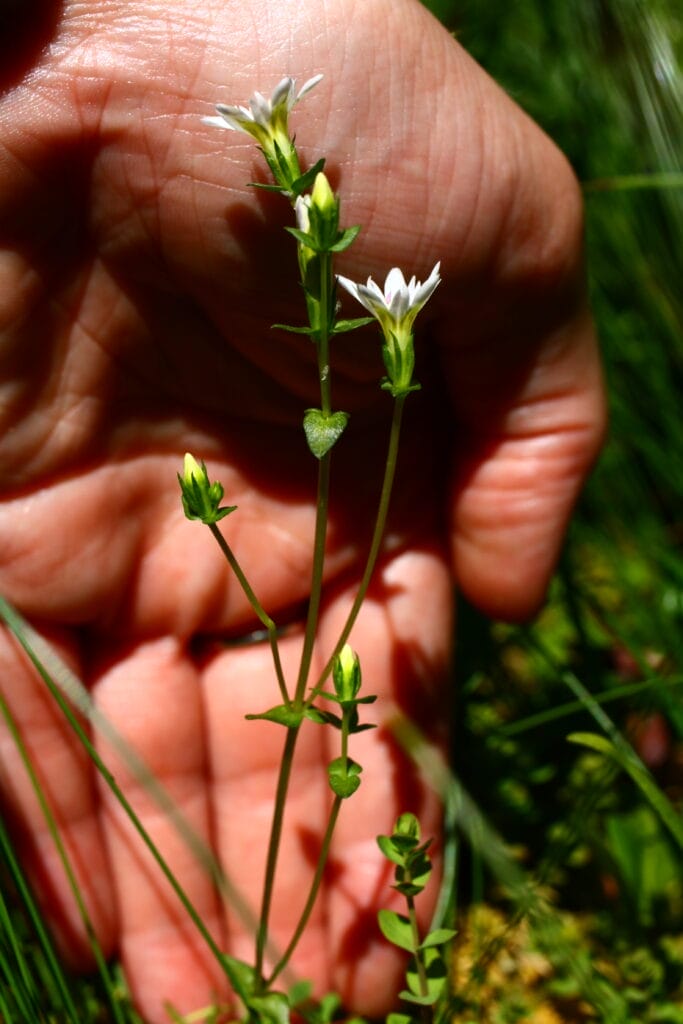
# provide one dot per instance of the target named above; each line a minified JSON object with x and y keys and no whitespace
{"x":319,"y":238}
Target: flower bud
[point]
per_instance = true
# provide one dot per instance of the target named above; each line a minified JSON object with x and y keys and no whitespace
{"x":201,"y":499}
{"x":346,"y":674}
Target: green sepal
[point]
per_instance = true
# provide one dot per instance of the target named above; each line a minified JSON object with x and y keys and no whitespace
{"x":344,"y":776}
{"x":299,"y":992}
{"x":311,"y":331}
{"x":399,"y":389}
{"x":346,"y":239}
{"x":201,"y":499}
{"x":323,"y":432}
{"x":299,"y":185}
{"x":282,"y":715}
{"x":396,"y":928}
{"x":438,"y":937}
{"x":342,"y":326}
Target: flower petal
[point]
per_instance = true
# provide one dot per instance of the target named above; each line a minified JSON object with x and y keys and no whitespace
{"x":307,"y":86}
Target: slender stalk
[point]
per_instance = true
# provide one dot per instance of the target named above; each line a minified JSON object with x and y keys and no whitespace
{"x":322,"y":504}
{"x":375,"y":544}
{"x":274,"y":846}
{"x":257,"y":606}
{"x":320,"y":867}
{"x":313,"y":893}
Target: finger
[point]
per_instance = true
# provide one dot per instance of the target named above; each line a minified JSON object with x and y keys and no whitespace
{"x":523,"y":373}
{"x":403,"y":637}
{"x":63,"y":773}
{"x":245,"y":758}
{"x":151,"y":696}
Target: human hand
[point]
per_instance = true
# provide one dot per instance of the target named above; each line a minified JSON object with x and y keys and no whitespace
{"x":140,"y":279}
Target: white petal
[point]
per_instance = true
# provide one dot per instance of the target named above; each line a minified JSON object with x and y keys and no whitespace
{"x":219,"y":122}
{"x":233,"y":112}
{"x":307,"y":86}
{"x":351,"y":287}
{"x":261,"y":110}
{"x":283,"y":93}
{"x":424,"y":291}
{"x":395,"y":282}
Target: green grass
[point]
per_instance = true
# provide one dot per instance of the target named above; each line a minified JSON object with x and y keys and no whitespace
{"x":564,"y":799}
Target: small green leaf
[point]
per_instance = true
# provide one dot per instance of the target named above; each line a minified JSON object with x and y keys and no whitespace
{"x":344,"y":776}
{"x":294,"y":330}
{"x":347,"y":238}
{"x":323,"y":717}
{"x":399,"y":1018}
{"x":390,"y":850}
{"x":438,"y":937}
{"x":282,"y":714}
{"x":267,"y":188}
{"x":396,"y":928}
{"x":272,"y":1008}
{"x":323,"y":432}
{"x":300,"y":992}
{"x":342,"y":326}
{"x":299,"y":185}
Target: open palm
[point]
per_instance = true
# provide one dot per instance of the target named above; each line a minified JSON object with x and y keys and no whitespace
{"x":139,"y":279}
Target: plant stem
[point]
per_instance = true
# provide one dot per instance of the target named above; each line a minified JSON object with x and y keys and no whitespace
{"x":322,"y":503}
{"x":425,"y":1011}
{"x":256,"y":605}
{"x":313,"y":893}
{"x":320,"y":867}
{"x":378,"y":533}
{"x":274,"y":846}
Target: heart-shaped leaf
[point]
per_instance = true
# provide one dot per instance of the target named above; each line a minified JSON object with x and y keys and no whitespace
{"x":323,"y":432}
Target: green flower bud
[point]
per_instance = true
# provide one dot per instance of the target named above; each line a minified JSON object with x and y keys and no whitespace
{"x":322,"y":196}
{"x":201,"y":499}
{"x":346,"y":674}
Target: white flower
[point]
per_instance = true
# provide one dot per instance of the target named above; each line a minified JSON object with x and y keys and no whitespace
{"x":266,"y":120}
{"x":397,"y":306}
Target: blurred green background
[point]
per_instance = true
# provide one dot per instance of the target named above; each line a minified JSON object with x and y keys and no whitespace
{"x":596,"y":829}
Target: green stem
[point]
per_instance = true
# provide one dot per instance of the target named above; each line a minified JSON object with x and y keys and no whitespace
{"x":425,"y":1011}
{"x":274,"y":847}
{"x":375,"y":544}
{"x":320,"y":867}
{"x":313,"y":893}
{"x":322,"y":500}
{"x":326,"y":291}
{"x":322,"y":503}
{"x":263,"y":616}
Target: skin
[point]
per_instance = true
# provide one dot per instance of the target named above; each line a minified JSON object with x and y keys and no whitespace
{"x":139,"y":278}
